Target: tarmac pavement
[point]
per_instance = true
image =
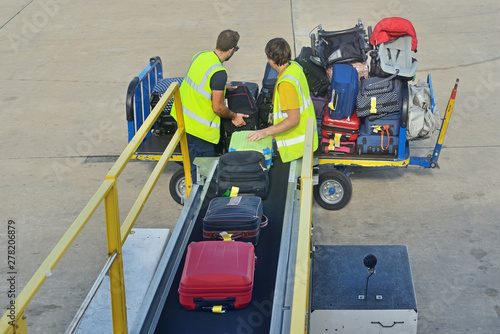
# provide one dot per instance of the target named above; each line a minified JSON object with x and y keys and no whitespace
{"x":65,"y":68}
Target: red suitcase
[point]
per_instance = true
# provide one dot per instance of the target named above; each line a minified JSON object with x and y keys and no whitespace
{"x":217,"y":276}
{"x":346,"y":129}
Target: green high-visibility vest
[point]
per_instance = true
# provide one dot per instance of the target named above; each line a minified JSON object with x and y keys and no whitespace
{"x":199,"y":118}
{"x":291,"y":143}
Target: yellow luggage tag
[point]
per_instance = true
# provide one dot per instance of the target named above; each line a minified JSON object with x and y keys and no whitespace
{"x":331,"y":146}
{"x":333,"y":101}
{"x":234,"y":191}
{"x":226,"y":236}
{"x":373,"y":106}
{"x":337,"y":139}
{"x":376,"y":128}
{"x":218,"y":309}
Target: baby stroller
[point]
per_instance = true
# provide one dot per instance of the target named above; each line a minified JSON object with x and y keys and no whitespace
{"x":394,"y":39}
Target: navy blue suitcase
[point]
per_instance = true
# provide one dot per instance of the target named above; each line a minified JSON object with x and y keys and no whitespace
{"x":375,"y":126}
{"x":344,"y":89}
{"x":377,"y":144}
{"x":241,"y":217}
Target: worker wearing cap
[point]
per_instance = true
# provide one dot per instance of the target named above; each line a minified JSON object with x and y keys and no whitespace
{"x":202,"y":94}
{"x":292,"y":104}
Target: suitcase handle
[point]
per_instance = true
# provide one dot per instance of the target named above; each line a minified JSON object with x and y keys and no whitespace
{"x":214,"y":305}
{"x":234,"y":236}
{"x":385,"y":128}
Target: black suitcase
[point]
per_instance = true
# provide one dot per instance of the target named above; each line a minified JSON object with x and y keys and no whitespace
{"x":379,"y":96}
{"x":240,"y":217}
{"x":265,"y":97}
{"x":316,"y":75}
{"x":245,"y":170}
{"x":241,"y":100}
{"x":265,"y":106}
{"x":253,"y":87}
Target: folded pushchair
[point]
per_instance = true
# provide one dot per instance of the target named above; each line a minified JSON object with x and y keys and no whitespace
{"x":343,"y":46}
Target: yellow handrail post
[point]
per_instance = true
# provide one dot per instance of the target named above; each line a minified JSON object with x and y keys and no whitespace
{"x":300,"y":299}
{"x":116,"y":278}
{"x":21,"y":327}
{"x":14,"y":322}
{"x":188,"y":178}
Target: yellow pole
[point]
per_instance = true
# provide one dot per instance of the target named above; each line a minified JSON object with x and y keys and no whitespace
{"x":300,"y":300}
{"x":136,"y":209}
{"x":447,"y":115}
{"x":116,"y":278}
{"x":184,"y":145}
{"x":46,"y":268}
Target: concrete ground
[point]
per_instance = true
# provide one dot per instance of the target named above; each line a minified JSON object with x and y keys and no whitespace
{"x":65,"y":67}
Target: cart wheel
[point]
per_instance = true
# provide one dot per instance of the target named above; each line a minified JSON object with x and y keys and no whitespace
{"x":177,"y":186}
{"x":333,"y":191}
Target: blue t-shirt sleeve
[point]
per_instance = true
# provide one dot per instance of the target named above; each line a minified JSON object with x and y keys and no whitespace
{"x":218,"y":80}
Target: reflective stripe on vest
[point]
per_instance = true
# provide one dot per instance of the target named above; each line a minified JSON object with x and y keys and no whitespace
{"x":293,"y":141}
{"x":305,"y":101}
{"x":199,"y":119}
{"x":200,"y":88}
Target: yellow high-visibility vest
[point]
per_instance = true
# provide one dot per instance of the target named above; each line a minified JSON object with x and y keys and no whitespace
{"x":291,"y":143}
{"x":200,"y":119}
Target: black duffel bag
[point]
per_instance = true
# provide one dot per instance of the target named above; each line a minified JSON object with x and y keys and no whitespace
{"x":245,"y":170}
{"x":317,"y":80}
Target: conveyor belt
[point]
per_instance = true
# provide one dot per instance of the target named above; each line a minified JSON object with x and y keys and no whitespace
{"x":257,"y":316}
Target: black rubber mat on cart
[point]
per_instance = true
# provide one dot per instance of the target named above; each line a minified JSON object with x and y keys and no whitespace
{"x":256,"y":318}
{"x":156,"y":145}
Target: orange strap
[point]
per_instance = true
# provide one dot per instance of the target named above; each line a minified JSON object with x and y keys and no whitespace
{"x":386,"y":129}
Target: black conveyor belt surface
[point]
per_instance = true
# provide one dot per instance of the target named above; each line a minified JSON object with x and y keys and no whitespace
{"x":255,"y":318}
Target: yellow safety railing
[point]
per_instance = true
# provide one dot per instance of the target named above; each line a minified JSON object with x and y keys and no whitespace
{"x":14,"y":320}
{"x":300,"y":301}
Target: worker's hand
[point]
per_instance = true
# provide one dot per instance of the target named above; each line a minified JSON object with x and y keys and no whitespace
{"x":230,"y":86}
{"x":239,"y":120}
{"x":257,"y":135}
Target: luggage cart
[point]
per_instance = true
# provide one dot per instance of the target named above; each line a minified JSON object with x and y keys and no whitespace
{"x":334,"y":189}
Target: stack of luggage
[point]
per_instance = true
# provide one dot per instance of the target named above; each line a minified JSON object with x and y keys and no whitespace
{"x":361,"y":109}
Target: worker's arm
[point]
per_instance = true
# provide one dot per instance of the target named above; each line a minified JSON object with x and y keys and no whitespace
{"x":220,"y":109}
{"x":288,"y":123}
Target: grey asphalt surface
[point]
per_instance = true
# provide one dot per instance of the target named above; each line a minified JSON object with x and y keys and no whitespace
{"x":65,"y":68}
